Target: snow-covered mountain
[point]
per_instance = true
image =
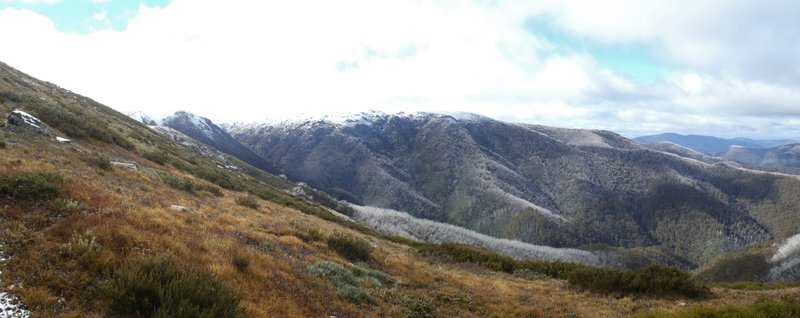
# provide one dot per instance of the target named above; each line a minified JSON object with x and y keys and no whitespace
{"x":205,"y":131}
{"x":143,"y":118}
{"x":542,"y":185}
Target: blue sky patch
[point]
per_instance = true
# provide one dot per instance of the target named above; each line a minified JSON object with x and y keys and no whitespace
{"x":635,"y":60}
{"x":85,"y":16}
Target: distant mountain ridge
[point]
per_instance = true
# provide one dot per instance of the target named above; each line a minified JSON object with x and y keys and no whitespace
{"x":204,"y":130}
{"x":708,"y":145}
{"x":542,"y":185}
{"x":787,"y":155}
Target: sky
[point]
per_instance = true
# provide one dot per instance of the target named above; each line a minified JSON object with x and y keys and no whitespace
{"x":729,"y":68}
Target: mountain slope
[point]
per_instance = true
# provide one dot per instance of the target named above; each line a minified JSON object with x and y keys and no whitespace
{"x":685,"y":152}
{"x":205,"y":131}
{"x":542,"y":185}
{"x":708,"y":145}
{"x":787,"y":155}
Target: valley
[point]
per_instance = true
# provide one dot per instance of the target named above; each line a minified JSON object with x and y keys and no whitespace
{"x":116,"y":206}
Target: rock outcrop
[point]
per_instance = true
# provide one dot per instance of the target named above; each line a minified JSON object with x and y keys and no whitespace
{"x":21,"y":121}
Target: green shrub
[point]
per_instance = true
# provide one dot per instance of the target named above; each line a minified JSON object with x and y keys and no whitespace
{"x":351,"y":284}
{"x":312,"y":235}
{"x":248,"y":202}
{"x":241,"y":262}
{"x":215,"y":190}
{"x":183,"y":184}
{"x":349,"y":247}
{"x":158,"y":157}
{"x":100,"y":161}
{"x":741,"y":266}
{"x":30,"y":186}
{"x":469,"y":254}
{"x":760,"y":309}
{"x":651,"y":280}
{"x":161,"y":287}
{"x":87,"y":250}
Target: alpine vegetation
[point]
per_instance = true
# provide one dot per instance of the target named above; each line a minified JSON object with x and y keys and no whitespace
{"x":391,"y":222}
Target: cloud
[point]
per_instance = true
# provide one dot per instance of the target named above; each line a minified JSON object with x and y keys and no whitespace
{"x":101,"y":16}
{"x":731,"y":63}
{"x":31,"y":1}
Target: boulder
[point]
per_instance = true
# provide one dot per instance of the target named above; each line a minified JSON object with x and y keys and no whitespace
{"x":180,"y":208}
{"x":18,"y":119}
{"x":125,"y":165}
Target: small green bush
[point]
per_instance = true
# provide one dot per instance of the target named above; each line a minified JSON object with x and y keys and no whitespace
{"x":100,"y":161}
{"x":30,"y":186}
{"x":183,"y":184}
{"x":313,"y":235}
{"x":241,"y":262}
{"x":651,"y":280}
{"x":248,"y":202}
{"x":162,"y":287}
{"x":349,"y":247}
{"x":87,"y":250}
{"x":351,"y":284}
{"x":158,"y":157}
{"x":470,"y":254}
{"x":215,"y":190}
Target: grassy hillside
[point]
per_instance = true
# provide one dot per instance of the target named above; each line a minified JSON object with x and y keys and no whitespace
{"x":85,"y":237}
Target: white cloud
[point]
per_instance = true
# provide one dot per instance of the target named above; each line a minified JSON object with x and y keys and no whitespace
{"x":245,"y":60}
{"x":32,"y":1}
{"x":101,"y":16}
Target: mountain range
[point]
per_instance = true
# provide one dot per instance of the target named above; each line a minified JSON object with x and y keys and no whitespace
{"x":710,"y":145}
{"x":782,"y":156}
{"x":457,"y":215}
{"x":542,"y":185}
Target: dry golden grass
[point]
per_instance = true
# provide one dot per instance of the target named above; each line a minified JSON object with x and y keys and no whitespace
{"x":129,"y":215}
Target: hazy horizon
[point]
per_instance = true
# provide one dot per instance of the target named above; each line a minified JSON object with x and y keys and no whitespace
{"x":720,"y":68}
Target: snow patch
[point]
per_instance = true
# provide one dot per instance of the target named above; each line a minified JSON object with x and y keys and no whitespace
{"x":786,"y":260}
{"x":391,"y":222}
{"x":789,"y":247}
{"x":574,"y":137}
{"x":466,"y":117}
{"x":347,"y":119}
{"x":542,"y":210}
{"x":146,"y":119}
{"x":9,"y":304}
{"x":30,"y":120}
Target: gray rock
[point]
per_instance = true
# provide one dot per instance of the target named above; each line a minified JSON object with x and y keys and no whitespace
{"x":125,"y":165}
{"x":180,"y":208}
{"x":18,"y":119}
